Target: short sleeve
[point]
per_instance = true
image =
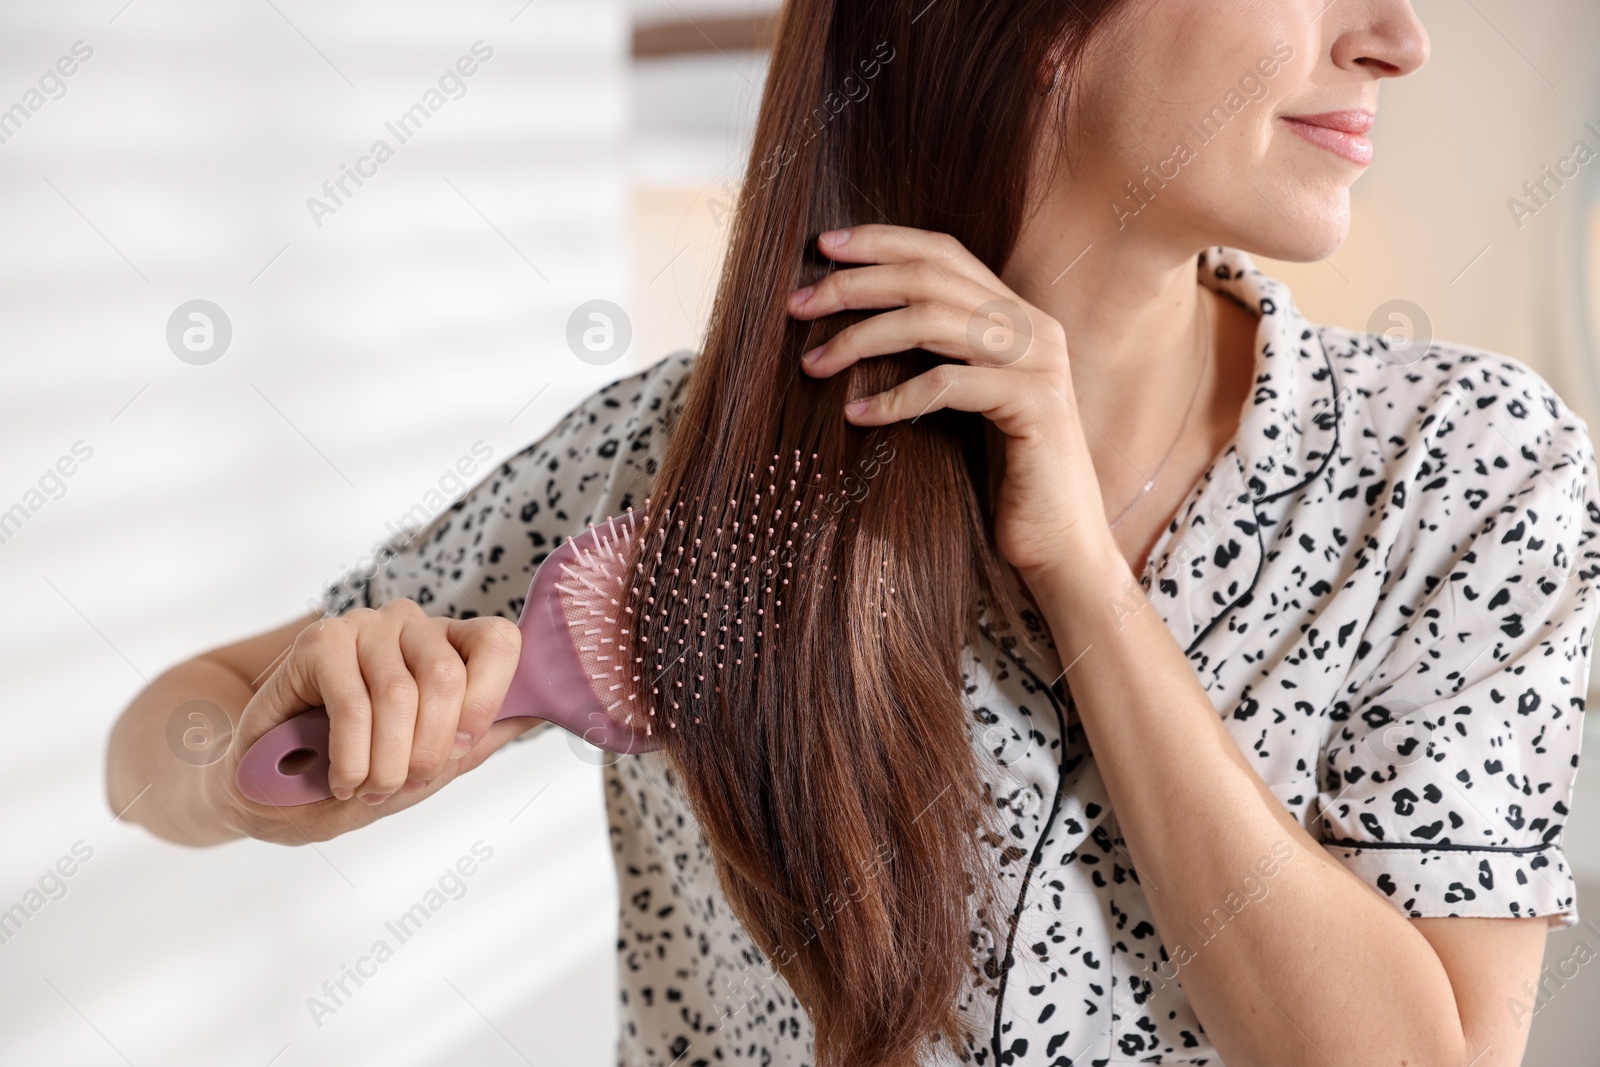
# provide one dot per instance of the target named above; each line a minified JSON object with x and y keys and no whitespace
{"x":477,"y":555}
{"x":1447,"y":787}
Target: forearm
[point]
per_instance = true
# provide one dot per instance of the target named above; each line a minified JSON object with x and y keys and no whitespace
{"x":146,"y":782}
{"x":1312,"y":968}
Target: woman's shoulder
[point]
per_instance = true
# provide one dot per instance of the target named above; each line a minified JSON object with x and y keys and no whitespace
{"x":602,"y":456}
{"x":599,"y":458}
{"x":608,"y":446}
{"x":1433,"y":407}
{"x":1423,"y":392}
{"x":637,"y":404}
{"x":1465,"y":466}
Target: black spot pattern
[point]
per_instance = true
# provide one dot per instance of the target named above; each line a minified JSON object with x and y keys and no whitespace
{"x":1385,"y":583}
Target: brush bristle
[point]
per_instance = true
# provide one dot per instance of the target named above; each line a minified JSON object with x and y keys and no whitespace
{"x":752,"y":549}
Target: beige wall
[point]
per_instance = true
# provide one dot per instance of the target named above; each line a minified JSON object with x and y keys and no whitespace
{"x":679,"y":236}
{"x":1454,"y":142}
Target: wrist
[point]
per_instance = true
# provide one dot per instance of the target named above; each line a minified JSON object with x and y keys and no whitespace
{"x":1087,"y":589}
{"x":221,"y":812}
{"x":1085,"y":569}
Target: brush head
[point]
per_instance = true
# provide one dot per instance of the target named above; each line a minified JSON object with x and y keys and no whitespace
{"x":574,"y":670}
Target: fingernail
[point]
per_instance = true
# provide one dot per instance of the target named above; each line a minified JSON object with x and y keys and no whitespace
{"x":811,"y":356}
{"x":855,"y":407}
{"x":374,"y":798}
{"x":800,"y":296}
{"x":835,"y":238}
{"x":463,"y":742}
{"x":342,"y":792}
{"x":414,"y":784}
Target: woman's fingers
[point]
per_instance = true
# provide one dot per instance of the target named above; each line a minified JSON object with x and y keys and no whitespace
{"x":497,"y":735}
{"x":997,"y":334}
{"x":441,"y":680}
{"x":887,"y":285}
{"x":326,"y":652}
{"x":878,"y":243}
{"x":394,"y":710}
{"x":991,"y":391}
{"x":947,"y":302}
{"x":411,"y":701}
{"x":491,"y":647}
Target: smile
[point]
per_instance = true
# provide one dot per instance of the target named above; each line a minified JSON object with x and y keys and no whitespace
{"x":1340,"y":132}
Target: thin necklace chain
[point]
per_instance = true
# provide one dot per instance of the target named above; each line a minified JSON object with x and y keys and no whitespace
{"x":1150,"y":482}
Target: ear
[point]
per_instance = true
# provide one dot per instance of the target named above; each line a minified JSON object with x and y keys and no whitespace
{"x":1049,"y":75}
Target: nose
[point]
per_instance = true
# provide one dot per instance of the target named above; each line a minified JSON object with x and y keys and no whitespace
{"x":1383,"y":37}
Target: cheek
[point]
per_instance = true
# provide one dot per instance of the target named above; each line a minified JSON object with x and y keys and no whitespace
{"x":1206,"y":74}
{"x":1184,"y":108}
{"x":1191,"y":52}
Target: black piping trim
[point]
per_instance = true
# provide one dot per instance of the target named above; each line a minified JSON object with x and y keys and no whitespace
{"x":1255,"y":504}
{"x":1361,"y":846}
{"x":1038,"y":848}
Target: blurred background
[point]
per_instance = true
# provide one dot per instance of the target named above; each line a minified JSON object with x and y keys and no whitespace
{"x":358,"y":349}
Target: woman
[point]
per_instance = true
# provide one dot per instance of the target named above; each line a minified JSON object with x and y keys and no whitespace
{"x":1165,"y":678}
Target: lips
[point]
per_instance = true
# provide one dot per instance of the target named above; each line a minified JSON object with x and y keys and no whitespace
{"x":1340,"y":132}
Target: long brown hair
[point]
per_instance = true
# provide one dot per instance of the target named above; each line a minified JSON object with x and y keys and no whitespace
{"x":803,"y":667}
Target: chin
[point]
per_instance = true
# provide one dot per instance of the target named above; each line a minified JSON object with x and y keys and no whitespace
{"x":1302,"y":228}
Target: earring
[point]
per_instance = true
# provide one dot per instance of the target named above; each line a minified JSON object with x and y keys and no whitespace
{"x":1055,"y":76}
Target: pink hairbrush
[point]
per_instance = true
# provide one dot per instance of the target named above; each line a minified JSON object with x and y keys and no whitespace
{"x":574,"y":638}
{"x":570,"y":674}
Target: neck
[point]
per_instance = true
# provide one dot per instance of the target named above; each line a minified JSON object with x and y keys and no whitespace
{"x":1138,"y":342}
{"x":1130,"y":306}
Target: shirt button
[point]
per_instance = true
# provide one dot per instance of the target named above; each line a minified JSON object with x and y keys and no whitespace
{"x":1027,"y":803}
{"x":982,"y":944}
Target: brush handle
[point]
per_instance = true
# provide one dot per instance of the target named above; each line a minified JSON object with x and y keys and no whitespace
{"x":288,"y":765}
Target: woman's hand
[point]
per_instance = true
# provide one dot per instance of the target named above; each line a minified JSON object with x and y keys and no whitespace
{"x":411,"y":701}
{"x":1012,"y":368}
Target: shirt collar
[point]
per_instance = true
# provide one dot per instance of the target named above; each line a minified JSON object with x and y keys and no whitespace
{"x":1207,"y":560}
{"x":1287,"y":426}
